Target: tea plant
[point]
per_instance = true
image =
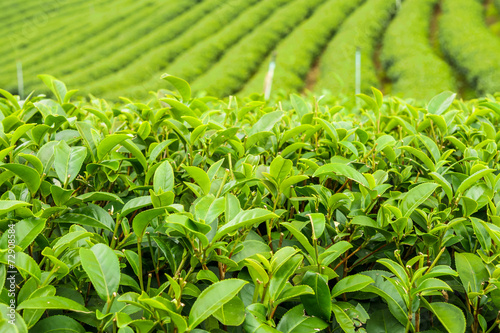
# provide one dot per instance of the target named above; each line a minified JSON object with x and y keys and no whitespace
{"x":357,"y":31}
{"x":408,"y":56}
{"x":188,"y":214}
{"x":295,"y":55}
{"x":237,"y":66}
{"x":480,"y":76}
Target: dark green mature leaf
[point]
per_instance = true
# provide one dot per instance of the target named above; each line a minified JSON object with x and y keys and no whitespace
{"x":471,"y":271}
{"x":351,"y":283}
{"x":382,"y":321}
{"x":451,"y":317}
{"x":73,"y":218}
{"x":282,"y":274}
{"x":58,"y":324}
{"x":28,"y":175}
{"x":212,"y":299}
{"x":52,"y":303}
{"x":415,"y":197}
{"x":232,"y":313}
{"x":102,"y":267}
{"x":295,"y":321}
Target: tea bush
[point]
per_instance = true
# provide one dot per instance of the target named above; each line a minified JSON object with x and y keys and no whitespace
{"x":144,"y":69}
{"x":144,"y":21}
{"x":239,"y":64}
{"x":173,"y":27}
{"x":295,"y":55}
{"x":468,"y":42}
{"x":37,"y":53}
{"x":200,"y":57}
{"x":188,"y":214}
{"x":363,"y":29}
{"x":411,"y":64}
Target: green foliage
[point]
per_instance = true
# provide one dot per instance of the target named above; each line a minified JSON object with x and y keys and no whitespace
{"x":238,"y":65}
{"x":469,"y":44}
{"x":204,"y":215}
{"x":295,"y":55}
{"x":412,"y":65}
{"x":362,"y":29}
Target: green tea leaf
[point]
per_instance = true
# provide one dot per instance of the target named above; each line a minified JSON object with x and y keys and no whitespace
{"x":212,"y":299}
{"x":102,"y":267}
{"x":319,"y":304}
{"x":163,"y":180}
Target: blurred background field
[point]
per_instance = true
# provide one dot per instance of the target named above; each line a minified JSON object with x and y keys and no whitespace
{"x":111,"y":48}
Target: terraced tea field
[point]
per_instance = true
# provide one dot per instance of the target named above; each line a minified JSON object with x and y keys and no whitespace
{"x":409,"y":48}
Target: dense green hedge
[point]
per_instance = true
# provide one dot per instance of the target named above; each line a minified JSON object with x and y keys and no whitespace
{"x":97,"y":49}
{"x":363,"y":29}
{"x":410,"y":62}
{"x":470,"y":45}
{"x":35,"y":55}
{"x":242,"y":61}
{"x":37,"y":32}
{"x":198,"y":215}
{"x":33,"y":34}
{"x":157,"y":59}
{"x":296,"y":54}
{"x":204,"y":54}
{"x":183,"y":14}
{"x":26,"y":12}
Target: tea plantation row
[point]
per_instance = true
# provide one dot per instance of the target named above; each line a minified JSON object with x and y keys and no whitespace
{"x":120,"y":48}
{"x":200,"y":215}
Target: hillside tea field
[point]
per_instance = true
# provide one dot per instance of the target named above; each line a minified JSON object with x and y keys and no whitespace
{"x":188,"y":214}
{"x":112,"y":48}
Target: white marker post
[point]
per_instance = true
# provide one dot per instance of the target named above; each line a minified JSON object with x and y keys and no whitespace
{"x":358,"y":71}
{"x":20,"y":80}
{"x":398,"y":4}
{"x":268,"y":84}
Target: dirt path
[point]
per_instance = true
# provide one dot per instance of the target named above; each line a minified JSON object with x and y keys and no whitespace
{"x":385,"y":82}
{"x":434,"y":29}
{"x":491,"y":13}
{"x":312,"y":75}
{"x":464,"y":89}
